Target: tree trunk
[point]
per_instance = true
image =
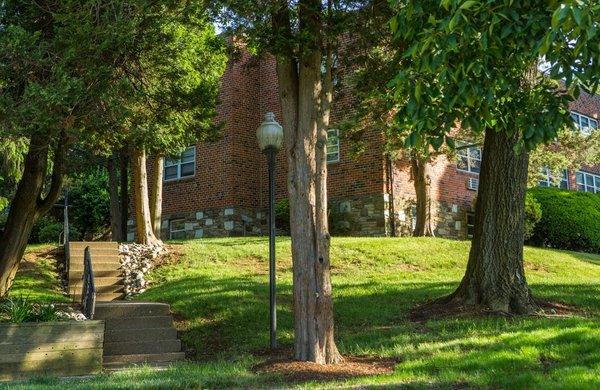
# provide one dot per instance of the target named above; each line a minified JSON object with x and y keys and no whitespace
{"x":143,"y":227}
{"x":301,"y":98}
{"x":28,"y":205}
{"x":495,"y":278}
{"x":124,"y":187}
{"x":115,"y":201}
{"x":156,"y":195}
{"x":421,"y":182}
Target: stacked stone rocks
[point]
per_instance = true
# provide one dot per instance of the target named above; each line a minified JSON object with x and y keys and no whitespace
{"x":136,"y":261}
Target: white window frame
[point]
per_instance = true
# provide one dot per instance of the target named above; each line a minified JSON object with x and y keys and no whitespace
{"x":171,"y":231}
{"x":578,"y":119}
{"x":547,"y":179}
{"x":466,"y":153}
{"x":589,"y":180}
{"x":178,"y":163}
{"x":333,"y":139}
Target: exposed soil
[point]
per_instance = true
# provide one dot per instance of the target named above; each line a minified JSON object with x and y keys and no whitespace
{"x":351,"y":367}
{"x":440,"y":308}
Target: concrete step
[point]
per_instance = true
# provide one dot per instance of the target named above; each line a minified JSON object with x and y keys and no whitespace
{"x":146,"y":334}
{"x":74,"y":267}
{"x":141,"y":347}
{"x":77,"y":275}
{"x":94,"y":244}
{"x":131,"y":309}
{"x":138,"y":323}
{"x":99,"y":281}
{"x":111,"y":289}
{"x":101,"y":297}
{"x":144,"y":358}
{"x":97,"y":257}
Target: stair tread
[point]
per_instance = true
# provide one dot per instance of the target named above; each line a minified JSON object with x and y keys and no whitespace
{"x":142,"y":358}
{"x":128,"y":309}
{"x":140,"y":335}
{"x":141,"y":322}
{"x":141,"y":347}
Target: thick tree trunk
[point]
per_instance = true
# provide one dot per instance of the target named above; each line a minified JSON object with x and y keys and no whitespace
{"x":421,"y":182}
{"x":115,"y":200}
{"x":301,"y":94}
{"x":28,"y":205}
{"x":143,"y":227}
{"x":124,"y":187}
{"x":495,"y":278}
{"x":156,"y":195}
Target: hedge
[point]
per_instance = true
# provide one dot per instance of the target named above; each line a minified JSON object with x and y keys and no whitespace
{"x":570,"y":220}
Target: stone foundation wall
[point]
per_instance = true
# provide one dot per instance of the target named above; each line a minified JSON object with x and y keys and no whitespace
{"x":367,"y":216}
{"x":227,"y":222}
{"x":449,"y":220}
{"x":359,"y":216}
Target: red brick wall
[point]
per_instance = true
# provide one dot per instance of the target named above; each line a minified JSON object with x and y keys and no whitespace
{"x":233,"y":172}
{"x":450,"y":185}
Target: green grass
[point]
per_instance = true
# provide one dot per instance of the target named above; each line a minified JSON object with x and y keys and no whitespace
{"x":37,"y":279}
{"x":220,"y":289}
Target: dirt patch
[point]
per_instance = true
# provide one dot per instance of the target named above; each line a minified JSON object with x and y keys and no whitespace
{"x":406,"y":267}
{"x":536,"y":267}
{"x":441,"y":308}
{"x":351,"y":367}
{"x":173,"y":255}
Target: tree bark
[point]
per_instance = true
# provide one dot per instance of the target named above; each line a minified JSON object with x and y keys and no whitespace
{"x":29,"y":204}
{"x":156,"y":195}
{"x":124,"y":188}
{"x":420,"y":167}
{"x":495,"y":278}
{"x":115,"y":200}
{"x":303,"y":121}
{"x":143,"y":227}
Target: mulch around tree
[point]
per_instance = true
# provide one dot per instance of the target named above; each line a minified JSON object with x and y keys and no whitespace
{"x":441,"y":308}
{"x":351,"y":367}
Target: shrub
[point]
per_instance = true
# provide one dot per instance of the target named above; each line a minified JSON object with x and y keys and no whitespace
{"x":44,"y":223}
{"x":570,"y":220}
{"x":282,"y":215}
{"x":19,"y":310}
{"x":89,"y":201}
{"x":50,"y":233}
{"x":533,"y":215}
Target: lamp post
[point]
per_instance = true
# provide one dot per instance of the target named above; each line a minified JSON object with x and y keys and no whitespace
{"x":270,"y":140}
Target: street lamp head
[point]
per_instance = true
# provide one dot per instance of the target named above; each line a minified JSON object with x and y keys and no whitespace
{"x":270,"y":134}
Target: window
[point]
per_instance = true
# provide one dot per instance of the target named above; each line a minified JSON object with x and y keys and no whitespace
{"x":469,"y":158}
{"x":588,"y":182}
{"x":184,"y":166}
{"x":585,"y":124}
{"x":333,"y":146}
{"x":470,"y":224}
{"x":548,"y":179}
{"x":177,"y":229}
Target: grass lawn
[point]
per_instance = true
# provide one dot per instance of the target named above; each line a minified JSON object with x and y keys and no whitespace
{"x":36,"y":279}
{"x":219,"y":290}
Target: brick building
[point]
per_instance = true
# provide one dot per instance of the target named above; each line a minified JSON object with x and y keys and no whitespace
{"x":220,"y":189}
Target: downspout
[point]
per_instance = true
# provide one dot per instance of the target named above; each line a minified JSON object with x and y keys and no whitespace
{"x":390,"y":182}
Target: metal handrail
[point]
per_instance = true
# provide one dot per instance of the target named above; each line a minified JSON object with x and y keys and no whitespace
{"x":67,"y":236}
{"x":88,"y":288}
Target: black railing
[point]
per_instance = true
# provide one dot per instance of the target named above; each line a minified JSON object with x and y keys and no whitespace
{"x":66,"y":232}
{"x":88,"y":288}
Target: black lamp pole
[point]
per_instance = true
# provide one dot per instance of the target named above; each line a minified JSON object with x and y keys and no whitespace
{"x":270,"y":139}
{"x":272,"y":281}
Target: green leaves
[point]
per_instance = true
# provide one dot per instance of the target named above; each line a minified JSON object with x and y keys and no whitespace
{"x":471,"y":62}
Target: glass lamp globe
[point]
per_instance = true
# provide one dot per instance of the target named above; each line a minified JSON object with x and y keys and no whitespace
{"x":270,"y":134}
